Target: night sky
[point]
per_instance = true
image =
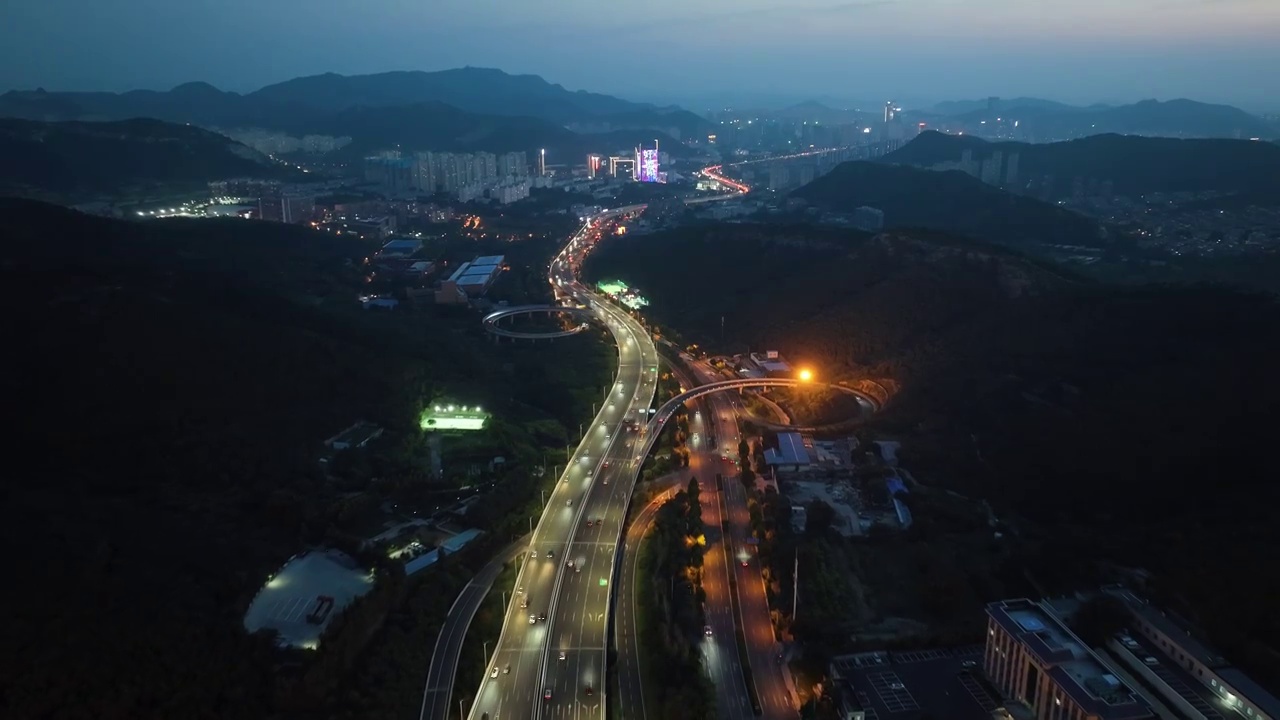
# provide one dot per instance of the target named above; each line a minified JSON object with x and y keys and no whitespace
{"x":670,"y":50}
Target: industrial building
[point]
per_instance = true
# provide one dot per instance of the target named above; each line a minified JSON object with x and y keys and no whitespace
{"x":1033,"y":658}
{"x":1186,"y":673}
{"x":471,"y":280}
{"x":400,"y":248}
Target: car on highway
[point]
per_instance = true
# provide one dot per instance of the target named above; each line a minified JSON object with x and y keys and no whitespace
{"x":744,"y":563}
{"x":506,"y":670}
{"x":590,"y":522}
{"x":706,"y":630}
{"x":561,"y":654}
{"x":550,"y":554}
{"x":533,"y":619}
{"x":546,"y":694}
{"x":494,"y":672}
{"x":606,"y":463}
{"x":589,"y":691}
{"x":533,"y":553}
{"x":897,"y":686}
{"x":568,"y":503}
{"x":969,"y":664}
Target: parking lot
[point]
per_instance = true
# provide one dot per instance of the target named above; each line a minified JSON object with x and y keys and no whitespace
{"x":284,"y":602}
{"x":910,"y":684}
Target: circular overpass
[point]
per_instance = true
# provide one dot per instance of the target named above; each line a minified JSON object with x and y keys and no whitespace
{"x":491,"y":321}
{"x":668,"y":408}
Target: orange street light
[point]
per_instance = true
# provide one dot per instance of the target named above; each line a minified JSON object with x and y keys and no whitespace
{"x":805,"y":375}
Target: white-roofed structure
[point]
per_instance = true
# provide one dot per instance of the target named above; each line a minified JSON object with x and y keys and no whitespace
{"x":471,"y":279}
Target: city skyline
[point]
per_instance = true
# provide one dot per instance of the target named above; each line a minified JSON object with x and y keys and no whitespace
{"x":1208,"y":50}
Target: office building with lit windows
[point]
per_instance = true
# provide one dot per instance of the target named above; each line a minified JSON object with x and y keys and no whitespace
{"x":1034,"y":659}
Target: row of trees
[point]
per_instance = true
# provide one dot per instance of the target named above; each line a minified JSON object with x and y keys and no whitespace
{"x":672,"y":563}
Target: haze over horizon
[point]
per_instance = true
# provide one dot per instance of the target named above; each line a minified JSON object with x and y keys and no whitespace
{"x":762,"y":50}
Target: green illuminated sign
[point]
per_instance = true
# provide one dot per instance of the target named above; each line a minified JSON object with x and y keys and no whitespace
{"x":453,"y":417}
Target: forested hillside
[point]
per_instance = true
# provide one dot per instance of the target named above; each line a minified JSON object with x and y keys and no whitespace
{"x":1125,"y":424}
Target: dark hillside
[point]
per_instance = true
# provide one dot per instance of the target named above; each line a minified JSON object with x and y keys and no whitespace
{"x":168,"y":388}
{"x":1119,"y":424}
{"x":1134,"y":165}
{"x":951,"y":202}
{"x":78,"y":159}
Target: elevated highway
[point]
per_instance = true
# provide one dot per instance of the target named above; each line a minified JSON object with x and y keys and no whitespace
{"x":492,"y":319}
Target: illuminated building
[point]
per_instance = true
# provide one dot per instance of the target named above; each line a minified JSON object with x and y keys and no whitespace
{"x":593,"y":165}
{"x":542,"y":162}
{"x":647,"y":163}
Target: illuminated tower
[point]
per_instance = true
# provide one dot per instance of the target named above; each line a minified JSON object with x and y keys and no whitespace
{"x":542,"y":162}
{"x":593,"y":165}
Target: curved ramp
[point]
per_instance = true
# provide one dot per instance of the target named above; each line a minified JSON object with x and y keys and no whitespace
{"x":491,"y":321}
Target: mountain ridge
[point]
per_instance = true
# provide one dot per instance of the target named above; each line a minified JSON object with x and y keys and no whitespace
{"x":951,"y":202}
{"x":81,"y":159}
{"x":1135,"y":164}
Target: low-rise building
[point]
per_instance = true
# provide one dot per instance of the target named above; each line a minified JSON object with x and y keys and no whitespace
{"x":790,"y":455}
{"x":403,"y":247}
{"x":1173,"y":639}
{"x":358,"y":435}
{"x":1033,"y":658}
{"x":471,"y":279}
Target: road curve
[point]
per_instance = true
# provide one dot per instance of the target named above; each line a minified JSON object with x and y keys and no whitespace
{"x":437,"y":695}
{"x":550,"y":659}
{"x":630,"y":688}
{"x":491,"y":321}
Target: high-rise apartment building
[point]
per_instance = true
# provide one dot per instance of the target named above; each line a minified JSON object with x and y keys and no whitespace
{"x":286,"y":207}
{"x":393,"y":175}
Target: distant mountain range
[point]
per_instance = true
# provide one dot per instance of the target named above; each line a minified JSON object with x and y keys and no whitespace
{"x":1045,"y":119}
{"x":962,"y":107}
{"x":1134,"y":165}
{"x":65,"y":160}
{"x":951,"y":202}
{"x":507,"y":105}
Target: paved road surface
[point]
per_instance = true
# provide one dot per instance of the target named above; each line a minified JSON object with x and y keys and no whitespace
{"x":762,"y":649}
{"x":569,"y":605}
{"x":437,"y":697}
{"x":630,"y":700}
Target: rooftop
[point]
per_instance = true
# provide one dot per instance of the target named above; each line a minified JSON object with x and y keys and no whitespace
{"x":361,"y":432}
{"x":1073,"y":667}
{"x":791,"y":451}
{"x":1168,"y":625}
{"x":462,"y":270}
{"x":402,"y":244}
{"x":488,"y":260}
{"x":451,"y":545}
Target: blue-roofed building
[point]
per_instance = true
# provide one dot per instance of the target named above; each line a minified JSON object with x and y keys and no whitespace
{"x":471,"y":280}
{"x":452,"y":545}
{"x":791,"y":453}
{"x":896,"y":487}
{"x":400,"y":248}
{"x":1034,"y":659}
